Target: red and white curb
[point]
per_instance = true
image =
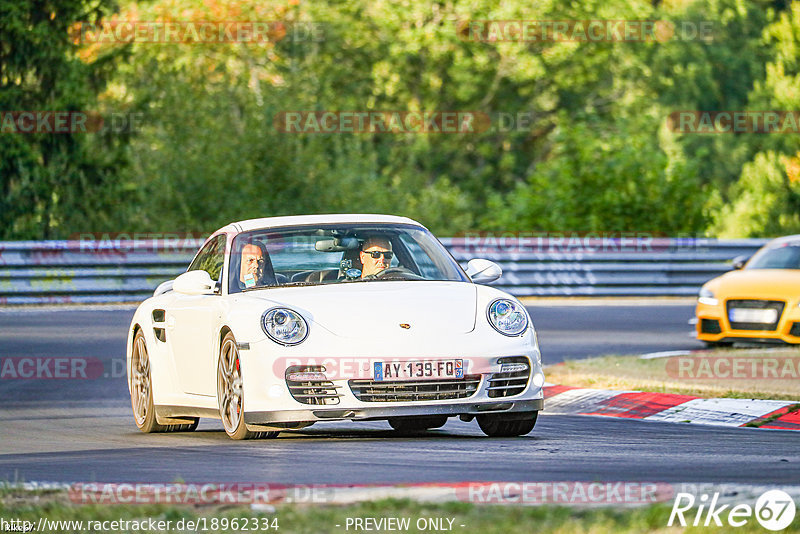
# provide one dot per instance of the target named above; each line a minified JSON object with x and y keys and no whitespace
{"x":670,"y":408}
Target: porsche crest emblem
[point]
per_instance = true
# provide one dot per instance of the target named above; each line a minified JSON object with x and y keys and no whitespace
{"x":405,"y":326}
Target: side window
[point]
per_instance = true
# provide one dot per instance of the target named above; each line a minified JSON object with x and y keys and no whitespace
{"x":211,"y":258}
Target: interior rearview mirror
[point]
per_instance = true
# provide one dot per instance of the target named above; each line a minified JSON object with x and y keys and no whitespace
{"x":336,"y":244}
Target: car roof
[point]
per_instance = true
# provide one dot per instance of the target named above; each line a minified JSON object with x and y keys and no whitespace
{"x":793,"y":239}
{"x":292,"y":220}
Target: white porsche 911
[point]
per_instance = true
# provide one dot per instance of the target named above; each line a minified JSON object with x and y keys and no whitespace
{"x":282,"y":322}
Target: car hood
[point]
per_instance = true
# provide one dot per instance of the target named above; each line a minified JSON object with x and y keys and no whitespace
{"x":378,"y":309}
{"x":758,"y":283}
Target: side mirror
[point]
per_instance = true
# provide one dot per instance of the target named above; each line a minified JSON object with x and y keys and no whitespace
{"x":739,"y":261}
{"x":195,"y":283}
{"x":483,"y":271}
{"x":163,"y":287}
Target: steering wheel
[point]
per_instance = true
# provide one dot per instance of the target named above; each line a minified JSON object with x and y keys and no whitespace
{"x":399,"y":272}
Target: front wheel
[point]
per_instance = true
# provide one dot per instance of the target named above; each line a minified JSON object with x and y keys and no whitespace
{"x":230,"y":393}
{"x":507,"y":425}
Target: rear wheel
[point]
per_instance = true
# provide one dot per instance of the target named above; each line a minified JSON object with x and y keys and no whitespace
{"x":507,"y":425}
{"x":141,"y":386}
{"x":417,"y":424}
{"x":230,"y":393}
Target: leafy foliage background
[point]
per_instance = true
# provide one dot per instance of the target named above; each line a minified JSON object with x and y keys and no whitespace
{"x":596,"y":156}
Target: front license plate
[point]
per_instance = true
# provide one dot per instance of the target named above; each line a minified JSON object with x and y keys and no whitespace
{"x":749,"y":315}
{"x":418,"y":370}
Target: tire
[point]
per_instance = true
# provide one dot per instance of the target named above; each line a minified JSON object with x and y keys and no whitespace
{"x":507,"y":425}
{"x":417,"y":424}
{"x":230,"y":393}
{"x":141,"y":386}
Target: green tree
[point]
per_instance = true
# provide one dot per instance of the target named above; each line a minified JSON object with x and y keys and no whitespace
{"x":604,"y":180}
{"x":53,"y":184}
{"x":595,"y":153}
{"x":766,"y":199}
{"x":715,"y":72}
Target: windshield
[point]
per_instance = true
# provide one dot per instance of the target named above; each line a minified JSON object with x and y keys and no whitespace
{"x":334,"y":254}
{"x":784,"y":256}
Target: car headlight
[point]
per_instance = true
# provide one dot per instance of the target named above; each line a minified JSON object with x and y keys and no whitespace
{"x":707,"y":297}
{"x":284,"y":326}
{"x":507,"y":317}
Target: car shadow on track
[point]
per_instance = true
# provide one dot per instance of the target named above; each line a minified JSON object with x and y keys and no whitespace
{"x":360,"y":434}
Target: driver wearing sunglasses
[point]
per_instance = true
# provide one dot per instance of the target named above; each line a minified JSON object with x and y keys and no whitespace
{"x":376,"y":255}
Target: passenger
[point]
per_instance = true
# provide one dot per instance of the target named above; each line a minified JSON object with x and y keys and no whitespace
{"x":252,"y":269}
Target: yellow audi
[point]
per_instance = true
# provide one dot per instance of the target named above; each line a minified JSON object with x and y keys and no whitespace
{"x":759,"y":301}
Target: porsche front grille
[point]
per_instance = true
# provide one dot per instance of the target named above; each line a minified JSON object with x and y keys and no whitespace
{"x":508,"y":384}
{"x":415,"y":390}
{"x":317,"y":392}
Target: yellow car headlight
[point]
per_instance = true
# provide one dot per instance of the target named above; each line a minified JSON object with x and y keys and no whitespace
{"x":707,"y":297}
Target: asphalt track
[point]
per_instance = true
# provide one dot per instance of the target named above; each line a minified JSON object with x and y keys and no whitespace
{"x":82,"y":430}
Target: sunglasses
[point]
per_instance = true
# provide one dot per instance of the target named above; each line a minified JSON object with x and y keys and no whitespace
{"x":375,"y":254}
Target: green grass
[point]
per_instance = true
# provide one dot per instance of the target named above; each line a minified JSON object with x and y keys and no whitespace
{"x":324,"y":518}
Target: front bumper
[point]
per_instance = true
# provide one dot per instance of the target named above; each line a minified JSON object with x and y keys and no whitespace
{"x":713,"y":325}
{"x":367,"y":413}
{"x":267,"y":398}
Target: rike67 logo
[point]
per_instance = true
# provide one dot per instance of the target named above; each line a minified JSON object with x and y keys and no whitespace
{"x":774,"y":510}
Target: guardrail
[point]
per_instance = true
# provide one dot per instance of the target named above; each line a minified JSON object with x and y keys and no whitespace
{"x":604,"y":267}
{"x":40,"y":272}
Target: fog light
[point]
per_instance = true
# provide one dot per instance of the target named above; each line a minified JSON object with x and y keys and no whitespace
{"x":306,"y":377}
{"x":513,"y":367}
{"x":538,"y":380}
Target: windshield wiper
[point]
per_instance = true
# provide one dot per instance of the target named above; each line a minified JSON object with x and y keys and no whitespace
{"x":299,"y":284}
{"x":288,"y":284}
